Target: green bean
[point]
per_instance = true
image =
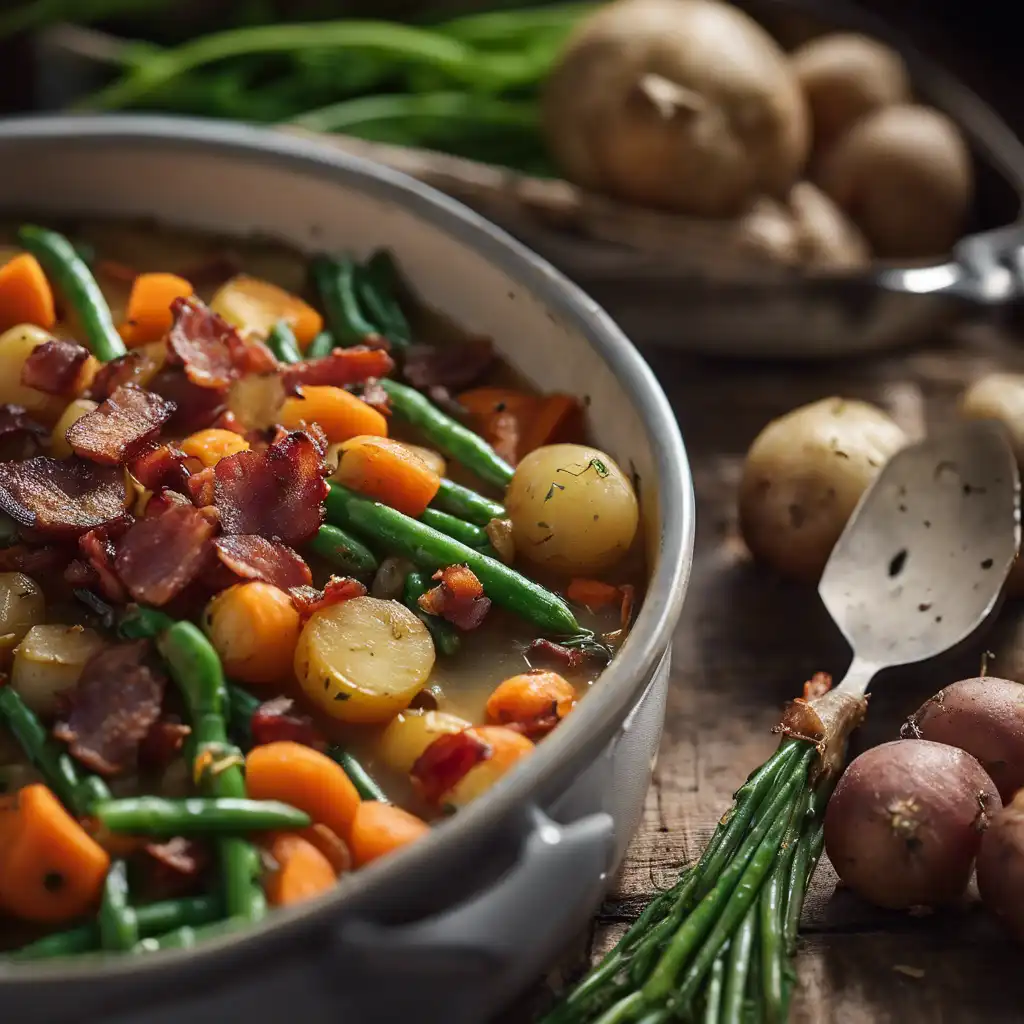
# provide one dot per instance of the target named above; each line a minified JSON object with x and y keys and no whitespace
{"x":141,"y":623}
{"x":466,"y":503}
{"x":74,"y":279}
{"x":196,"y":669}
{"x":282,"y":342}
{"x":342,"y":551}
{"x":740,"y":949}
{"x":377,"y":284}
{"x":189,"y":936}
{"x":432,"y":550}
{"x":713,"y":999}
{"x":320,"y":346}
{"x":242,"y":705}
{"x":458,"y":529}
{"x":158,"y":816}
{"x":335,"y":281}
{"x":365,"y":784}
{"x":445,"y":636}
{"x":151,"y":919}
{"x":118,"y":922}
{"x":448,"y":435}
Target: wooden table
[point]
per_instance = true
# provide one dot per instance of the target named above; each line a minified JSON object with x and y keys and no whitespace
{"x":746,"y":643}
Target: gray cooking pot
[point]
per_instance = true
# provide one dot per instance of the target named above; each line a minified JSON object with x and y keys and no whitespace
{"x":449,"y":929}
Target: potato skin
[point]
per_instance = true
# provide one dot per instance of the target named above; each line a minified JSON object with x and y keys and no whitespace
{"x":827,"y":238}
{"x":985,"y":717}
{"x":1000,"y":867}
{"x":803,"y":476}
{"x":684,"y":105}
{"x":904,"y":824}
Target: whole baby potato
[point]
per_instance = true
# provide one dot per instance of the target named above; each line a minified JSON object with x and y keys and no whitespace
{"x":803,"y":476}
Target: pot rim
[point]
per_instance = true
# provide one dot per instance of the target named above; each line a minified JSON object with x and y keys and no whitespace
{"x":593,"y":723}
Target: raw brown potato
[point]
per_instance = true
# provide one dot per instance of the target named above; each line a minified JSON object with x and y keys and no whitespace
{"x":904,"y":175}
{"x":1001,"y":867}
{"x":769,"y":231}
{"x":844,"y":76}
{"x":685,"y":105}
{"x":826,"y":239}
{"x":803,"y":476}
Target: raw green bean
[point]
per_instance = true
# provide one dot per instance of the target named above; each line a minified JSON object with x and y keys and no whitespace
{"x":65,"y":267}
{"x":118,"y":922}
{"x":343,"y":552}
{"x":282,"y":342}
{"x":462,"y":531}
{"x":152,"y":919}
{"x":320,"y":346}
{"x":377,"y":284}
{"x":713,"y":999}
{"x":432,"y":550}
{"x":466,"y":503}
{"x":445,"y":636}
{"x":335,"y":281}
{"x":159,"y":816}
{"x":738,"y":967}
{"x":448,"y":435}
{"x":365,"y":784}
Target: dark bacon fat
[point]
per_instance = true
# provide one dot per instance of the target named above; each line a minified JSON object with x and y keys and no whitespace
{"x":62,"y":497}
{"x":112,"y":709}
{"x":121,"y":427}
{"x":55,"y":367}
{"x":196,"y":407}
{"x":160,"y":466}
{"x":255,"y":558}
{"x":98,"y":550}
{"x":342,"y":367}
{"x":452,"y":367}
{"x":161,"y":554}
{"x":278,"y":492}
{"x":569,"y":657}
{"x":446,"y":761}
{"x":163,"y":742}
{"x":339,"y":588}
{"x":459,"y":597}
{"x":139,"y":367}
{"x":276,"y":720}
{"x":20,"y":435}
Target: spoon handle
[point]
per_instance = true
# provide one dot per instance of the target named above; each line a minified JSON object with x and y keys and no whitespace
{"x":858,"y":677}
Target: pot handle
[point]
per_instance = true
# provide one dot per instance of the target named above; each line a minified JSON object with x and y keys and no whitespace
{"x":471,"y":951}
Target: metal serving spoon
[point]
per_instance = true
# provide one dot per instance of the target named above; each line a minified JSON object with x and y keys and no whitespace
{"x":922,"y":561}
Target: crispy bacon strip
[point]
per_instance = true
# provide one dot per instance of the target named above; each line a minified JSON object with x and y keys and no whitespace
{"x":163,"y":742}
{"x":339,"y":588}
{"x":570,"y":657}
{"x":278,"y":493}
{"x":159,"y":467}
{"x":197,"y":407}
{"x":161,"y":554}
{"x":98,"y":550}
{"x":255,"y":558}
{"x":446,"y":761}
{"x":55,"y":367}
{"x":116,"y":701}
{"x":139,"y":366}
{"x":459,"y":597}
{"x":342,"y":367}
{"x":174,"y":867}
{"x":121,"y":427}
{"x":62,"y":497}
{"x":199,"y":340}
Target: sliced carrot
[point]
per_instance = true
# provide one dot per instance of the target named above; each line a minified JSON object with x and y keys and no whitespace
{"x":341,"y":415}
{"x":507,"y":747}
{"x":483,"y":403}
{"x":331,"y":845}
{"x":301,"y":871}
{"x":52,"y":869}
{"x":379,"y":829}
{"x":148,"y":314}
{"x":593,"y":593}
{"x":534,"y":702}
{"x":516,"y":422}
{"x":306,"y":779}
{"x":389,"y":472}
{"x":25,"y":294}
{"x":212,"y":445}
{"x":551,"y":415}
{"x":254,"y":305}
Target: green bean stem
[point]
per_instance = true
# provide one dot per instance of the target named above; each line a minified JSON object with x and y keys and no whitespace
{"x":466,"y":504}
{"x":66,"y":268}
{"x":343,"y":552}
{"x":445,"y":636}
{"x":159,"y":816}
{"x":448,"y":435}
{"x":335,"y":281}
{"x":282,"y":342}
{"x":118,"y":922}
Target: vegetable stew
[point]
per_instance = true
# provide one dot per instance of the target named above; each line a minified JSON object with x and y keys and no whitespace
{"x":290,"y":568}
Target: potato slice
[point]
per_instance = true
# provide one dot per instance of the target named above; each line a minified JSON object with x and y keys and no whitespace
{"x":49,"y":661}
{"x":412,"y":732}
{"x":363,"y":660}
{"x":22,"y":606}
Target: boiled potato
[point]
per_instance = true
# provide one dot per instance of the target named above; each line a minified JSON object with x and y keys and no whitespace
{"x":433,"y":459}
{"x":49,"y":661}
{"x":572,"y":509}
{"x":363,"y":660}
{"x":255,"y":306}
{"x":15,"y":347}
{"x":411,"y":732}
{"x":803,"y":476}
{"x":59,"y":447}
{"x":507,"y":749}
{"x":22,"y":606}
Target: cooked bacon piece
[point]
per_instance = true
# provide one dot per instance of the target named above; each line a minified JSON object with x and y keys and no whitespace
{"x":375,"y":396}
{"x":98,"y":550}
{"x":250,"y":355}
{"x":201,"y":487}
{"x":55,"y":367}
{"x":276,"y":720}
{"x":163,"y":500}
{"x":446,"y":761}
{"x":453,"y":367}
{"x":342,"y":367}
{"x":139,"y":366}
{"x":255,"y":558}
{"x":227,"y":420}
{"x":213,"y":270}
{"x":278,"y":493}
{"x":161,"y":554}
{"x":174,"y":867}
{"x":121,"y":427}
{"x":33,"y":561}
{"x":339,"y":588}
{"x":459,"y":597}
{"x":163,"y":742}
{"x":62,"y":497}
{"x":197,"y":408}
{"x":113,"y":707}
{"x":159,"y":467}
{"x":199,"y":339}
{"x":20,"y":435}
{"x":570,"y":657}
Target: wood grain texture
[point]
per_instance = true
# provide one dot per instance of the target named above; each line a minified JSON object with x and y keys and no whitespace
{"x":745,"y":644}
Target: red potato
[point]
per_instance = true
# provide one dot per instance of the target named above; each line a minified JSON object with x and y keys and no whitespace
{"x":985,"y":717}
{"x":1001,"y":867}
{"x":905,"y":822}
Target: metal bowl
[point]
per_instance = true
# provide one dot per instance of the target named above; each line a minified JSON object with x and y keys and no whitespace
{"x":450,"y":928}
